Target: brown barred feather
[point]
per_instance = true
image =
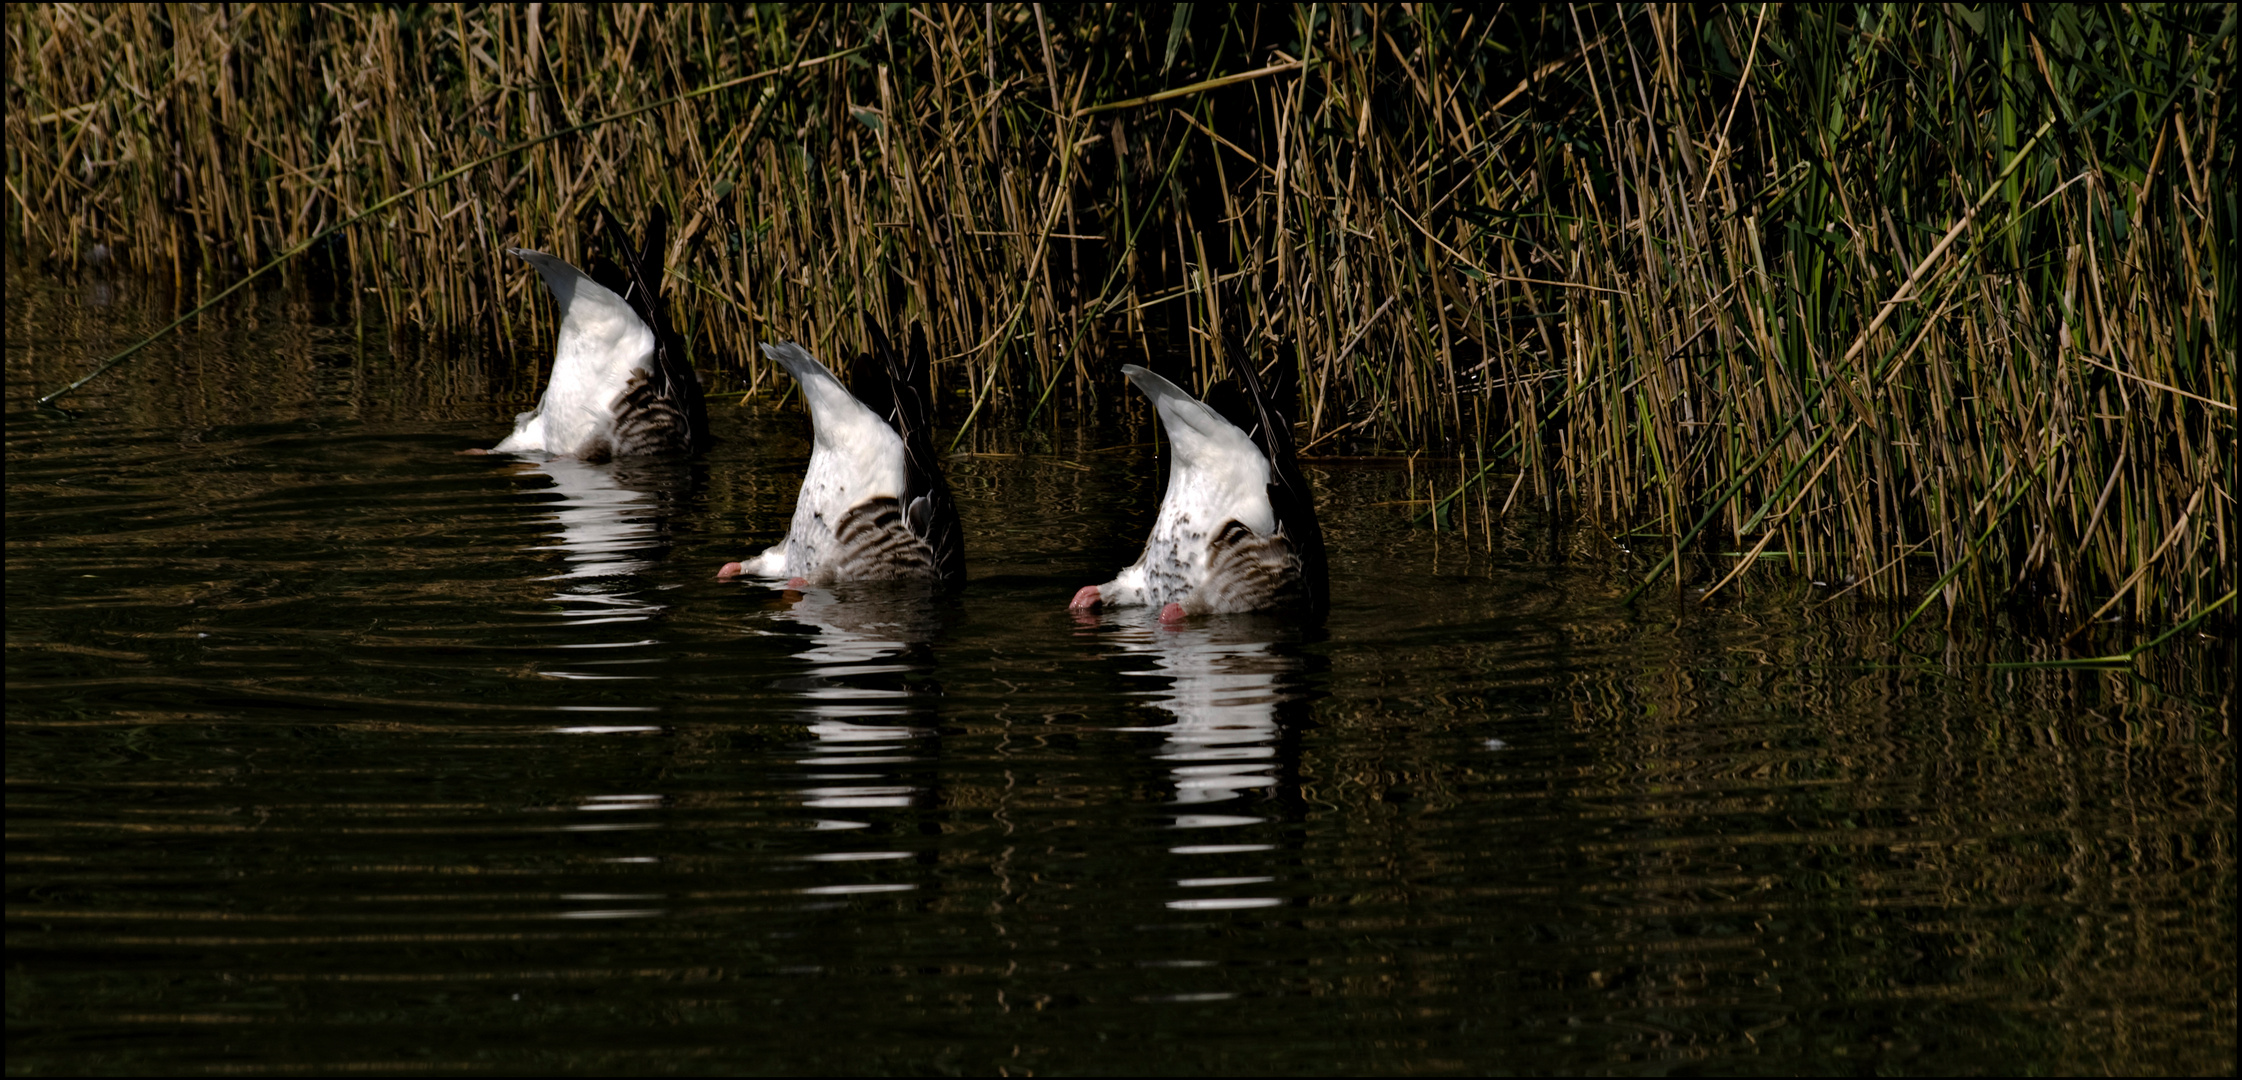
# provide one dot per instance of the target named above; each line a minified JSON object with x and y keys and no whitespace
{"x":871,"y":543}
{"x":1247,"y":571}
{"x":651,"y":422}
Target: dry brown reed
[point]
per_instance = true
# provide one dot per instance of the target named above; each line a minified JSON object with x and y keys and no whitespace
{"x":1921,"y":301}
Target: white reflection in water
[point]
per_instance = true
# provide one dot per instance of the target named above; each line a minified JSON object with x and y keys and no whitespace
{"x":1223,"y":689}
{"x":859,"y":712}
{"x":609,"y":530}
{"x":1227,"y":684}
{"x":604,"y":525}
{"x":621,"y":802}
{"x":1224,"y":903}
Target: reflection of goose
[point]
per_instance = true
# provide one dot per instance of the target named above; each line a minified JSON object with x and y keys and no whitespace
{"x":1224,"y":690}
{"x":873,"y":505}
{"x":1237,"y":529}
{"x":1234,"y":692}
{"x":605,"y":527}
{"x":858,"y":710}
{"x":610,"y":530}
{"x":620,"y":385}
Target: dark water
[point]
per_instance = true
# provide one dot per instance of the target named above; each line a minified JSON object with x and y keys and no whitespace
{"x":331,"y":750}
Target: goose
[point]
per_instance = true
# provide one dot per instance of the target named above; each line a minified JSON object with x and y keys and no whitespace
{"x":873,"y":505}
{"x":620,"y":386}
{"x":1237,"y":528}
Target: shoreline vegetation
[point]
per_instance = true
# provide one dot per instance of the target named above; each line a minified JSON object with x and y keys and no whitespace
{"x":1919,"y":300}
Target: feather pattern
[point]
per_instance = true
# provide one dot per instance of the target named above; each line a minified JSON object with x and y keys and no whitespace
{"x":620,"y":386}
{"x":898,"y":386}
{"x":1236,"y":530}
{"x":873,"y":505}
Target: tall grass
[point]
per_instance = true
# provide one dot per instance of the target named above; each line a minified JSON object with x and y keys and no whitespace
{"x":1924,"y":301}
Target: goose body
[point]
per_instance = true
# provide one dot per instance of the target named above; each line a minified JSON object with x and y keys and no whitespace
{"x":620,"y":386}
{"x":873,"y":505}
{"x":1236,"y":530}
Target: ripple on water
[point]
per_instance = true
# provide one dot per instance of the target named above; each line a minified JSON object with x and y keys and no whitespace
{"x":329,"y":748}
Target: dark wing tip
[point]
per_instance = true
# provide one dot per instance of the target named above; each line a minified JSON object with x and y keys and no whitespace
{"x":1289,"y":493}
{"x":674,"y":376}
{"x":904,"y":381}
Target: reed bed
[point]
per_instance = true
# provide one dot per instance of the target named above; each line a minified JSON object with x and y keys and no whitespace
{"x":1922,"y":301}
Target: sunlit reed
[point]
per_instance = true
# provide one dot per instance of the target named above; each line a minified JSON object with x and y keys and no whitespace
{"x":1918,"y":301}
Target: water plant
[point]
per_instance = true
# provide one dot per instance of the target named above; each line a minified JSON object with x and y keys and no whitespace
{"x":1933,"y":303}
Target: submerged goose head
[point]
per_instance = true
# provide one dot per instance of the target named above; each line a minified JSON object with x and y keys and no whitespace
{"x":1237,"y":528}
{"x":873,"y":505}
{"x":619,"y":385}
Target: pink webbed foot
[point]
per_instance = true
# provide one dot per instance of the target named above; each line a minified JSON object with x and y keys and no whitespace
{"x":1172,"y":614}
{"x":474,"y":450}
{"x":797,"y":584}
{"x":1086,"y":598}
{"x":730,"y":570}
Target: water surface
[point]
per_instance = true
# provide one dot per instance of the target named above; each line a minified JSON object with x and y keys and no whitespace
{"x":331,"y":750}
